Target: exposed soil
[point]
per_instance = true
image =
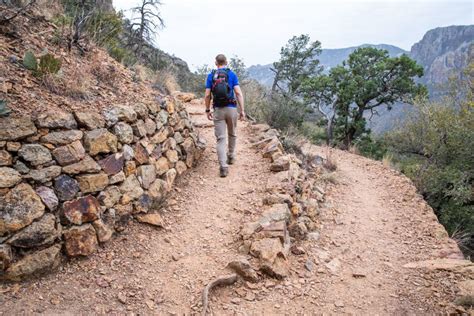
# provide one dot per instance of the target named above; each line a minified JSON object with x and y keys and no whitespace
{"x":373,"y":223}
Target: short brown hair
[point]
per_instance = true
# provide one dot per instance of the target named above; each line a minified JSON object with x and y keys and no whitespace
{"x":221,"y":60}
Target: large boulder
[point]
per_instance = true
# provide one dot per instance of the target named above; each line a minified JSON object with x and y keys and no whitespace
{"x":93,"y":182}
{"x":62,"y":137}
{"x":35,"y":154}
{"x":35,"y":263}
{"x":15,"y":128}
{"x":9,"y":177}
{"x":89,"y":120}
{"x":100,"y":141}
{"x":41,"y":233}
{"x":82,"y":210}
{"x":86,"y":165}
{"x":56,"y":119}
{"x":19,"y":208}
{"x":80,"y":240}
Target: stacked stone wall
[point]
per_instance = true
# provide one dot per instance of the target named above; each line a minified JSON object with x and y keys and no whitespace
{"x":70,"y":181}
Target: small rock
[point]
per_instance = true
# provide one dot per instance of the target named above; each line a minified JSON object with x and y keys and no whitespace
{"x":16,"y":127}
{"x":80,"y":240}
{"x":9,"y":177}
{"x":309,"y":265}
{"x":35,"y":154}
{"x":89,"y":120}
{"x":66,"y":187}
{"x":93,"y":182}
{"x":69,"y":154}
{"x":112,"y":164}
{"x":48,"y":197}
{"x":243,"y":268}
{"x":152,"y":219}
{"x":56,"y":119}
{"x":122,"y":298}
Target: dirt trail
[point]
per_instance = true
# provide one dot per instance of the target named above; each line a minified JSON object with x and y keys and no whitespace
{"x":373,"y":224}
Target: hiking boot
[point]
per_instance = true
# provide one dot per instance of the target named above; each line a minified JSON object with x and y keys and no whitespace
{"x":230,"y":160}
{"x":224,"y":172}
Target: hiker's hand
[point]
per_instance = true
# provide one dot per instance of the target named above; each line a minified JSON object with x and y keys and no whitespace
{"x":243,"y":116}
{"x":210,"y":116}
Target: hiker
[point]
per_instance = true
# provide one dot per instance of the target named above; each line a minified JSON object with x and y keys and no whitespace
{"x":223,"y":85}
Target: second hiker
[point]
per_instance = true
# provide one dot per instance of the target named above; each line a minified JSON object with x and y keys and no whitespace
{"x":222,"y":85}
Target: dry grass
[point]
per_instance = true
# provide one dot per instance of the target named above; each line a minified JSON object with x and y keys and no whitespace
{"x":329,"y":177}
{"x":75,"y":82}
{"x":104,"y":71}
{"x":354,"y":150}
{"x":166,"y":80}
{"x":329,"y":163}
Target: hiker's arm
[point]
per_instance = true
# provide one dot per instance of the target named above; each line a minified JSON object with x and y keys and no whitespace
{"x":207,"y":99}
{"x":240,"y":99}
{"x":207,"y":102}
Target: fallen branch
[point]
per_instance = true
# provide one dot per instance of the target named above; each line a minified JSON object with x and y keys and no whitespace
{"x":224,"y":280}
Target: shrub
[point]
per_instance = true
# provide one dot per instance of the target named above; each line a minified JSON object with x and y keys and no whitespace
{"x":48,"y":64}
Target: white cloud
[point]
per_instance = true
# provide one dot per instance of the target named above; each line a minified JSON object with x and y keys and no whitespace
{"x":256,"y":29}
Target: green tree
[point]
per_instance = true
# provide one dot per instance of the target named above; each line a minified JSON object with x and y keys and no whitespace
{"x":238,"y":66}
{"x":370,"y":78}
{"x":297,"y":62}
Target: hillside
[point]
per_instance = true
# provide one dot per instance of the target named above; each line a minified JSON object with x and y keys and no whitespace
{"x":111,"y":203}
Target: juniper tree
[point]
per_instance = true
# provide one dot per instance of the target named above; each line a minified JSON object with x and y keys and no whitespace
{"x":297,"y":62}
{"x":369,"y":79}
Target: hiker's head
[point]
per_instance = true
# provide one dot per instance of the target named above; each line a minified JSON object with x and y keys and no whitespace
{"x":221,"y":60}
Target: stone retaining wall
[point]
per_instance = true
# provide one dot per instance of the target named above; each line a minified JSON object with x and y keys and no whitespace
{"x":69,"y":181}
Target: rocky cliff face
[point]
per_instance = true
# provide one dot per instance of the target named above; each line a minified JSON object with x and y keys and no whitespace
{"x":444,"y":52}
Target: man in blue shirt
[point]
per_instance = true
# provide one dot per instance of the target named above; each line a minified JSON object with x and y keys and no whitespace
{"x":222,"y":85}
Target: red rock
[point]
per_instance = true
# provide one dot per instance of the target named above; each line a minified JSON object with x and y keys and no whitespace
{"x":112,"y":164}
{"x":81,"y":210}
{"x":141,"y":155}
{"x":80,"y":241}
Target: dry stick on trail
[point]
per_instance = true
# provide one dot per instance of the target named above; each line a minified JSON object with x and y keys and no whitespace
{"x":224,"y":280}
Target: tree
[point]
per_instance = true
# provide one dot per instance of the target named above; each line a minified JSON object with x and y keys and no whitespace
{"x":328,"y":94}
{"x":370,"y":78}
{"x":238,"y":66}
{"x":297,"y":63}
{"x":144,"y":27}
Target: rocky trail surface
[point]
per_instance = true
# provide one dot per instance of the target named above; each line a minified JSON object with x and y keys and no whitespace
{"x":369,"y":257}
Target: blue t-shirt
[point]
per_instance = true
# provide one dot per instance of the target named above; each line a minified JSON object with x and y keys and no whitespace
{"x":233,"y":81}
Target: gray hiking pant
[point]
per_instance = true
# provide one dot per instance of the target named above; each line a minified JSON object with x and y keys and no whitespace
{"x":225,"y":124}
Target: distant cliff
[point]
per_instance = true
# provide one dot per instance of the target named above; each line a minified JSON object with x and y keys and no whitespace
{"x":444,"y":52}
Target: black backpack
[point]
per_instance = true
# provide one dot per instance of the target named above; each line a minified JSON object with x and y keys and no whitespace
{"x":221,"y":91}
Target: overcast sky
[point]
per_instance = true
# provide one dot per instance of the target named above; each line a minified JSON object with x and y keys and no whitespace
{"x":197,"y":30}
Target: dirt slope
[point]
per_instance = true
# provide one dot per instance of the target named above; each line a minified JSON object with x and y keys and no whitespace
{"x":372,"y":225}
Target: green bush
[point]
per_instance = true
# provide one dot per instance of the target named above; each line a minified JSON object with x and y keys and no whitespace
{"x":434,"y":148}
{"x":49,"y":65}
